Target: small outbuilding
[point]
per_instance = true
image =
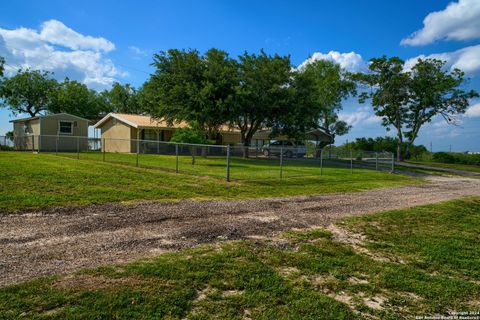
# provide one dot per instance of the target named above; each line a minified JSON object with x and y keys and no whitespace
{"x":51,"y":132}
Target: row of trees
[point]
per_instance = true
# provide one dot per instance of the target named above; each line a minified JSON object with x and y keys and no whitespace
{"x":252,"y":92}
{"x":381,"y":144}
{"x":257,"y":91}
{"x":35,"y":92}
{"x":208,"y":91}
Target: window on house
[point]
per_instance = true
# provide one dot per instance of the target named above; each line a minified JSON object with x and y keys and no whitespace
{"x":27,"y":128}
{"x":65,"y":127}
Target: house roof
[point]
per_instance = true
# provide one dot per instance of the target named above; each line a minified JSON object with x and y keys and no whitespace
{"x":49,"y":116}
{"x":146,"y":122}
{"x":141,"y":121}
{"x":319,"y":135}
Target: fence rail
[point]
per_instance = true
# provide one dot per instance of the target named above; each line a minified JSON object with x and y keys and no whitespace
{"x":230,"y":162}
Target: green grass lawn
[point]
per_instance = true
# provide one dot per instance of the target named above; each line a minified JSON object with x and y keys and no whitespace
{"x":420,"y":261}
{"x":39,"y":180}
{"x":464,"y":167}
{"x":240,"y":168}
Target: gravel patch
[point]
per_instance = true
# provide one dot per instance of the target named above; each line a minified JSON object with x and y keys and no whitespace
{"x":61,"y":240}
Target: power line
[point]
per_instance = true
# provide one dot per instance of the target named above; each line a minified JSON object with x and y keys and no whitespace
{"x":134,"y":69}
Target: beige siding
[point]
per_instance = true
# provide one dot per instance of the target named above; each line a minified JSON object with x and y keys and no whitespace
{"x":23,"y":140}
{"x":50,"y":125}
{"x":231,"y":138}
{"x":53,"y":140}
{"x":44,"y":135}
{"x":118,"y":136}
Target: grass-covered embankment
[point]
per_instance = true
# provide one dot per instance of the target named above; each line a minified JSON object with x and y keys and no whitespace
{"x":40,"y":180}
{"x":419,"y":261}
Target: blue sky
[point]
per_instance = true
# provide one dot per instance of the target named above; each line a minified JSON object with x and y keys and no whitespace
{"x":99,"y":42}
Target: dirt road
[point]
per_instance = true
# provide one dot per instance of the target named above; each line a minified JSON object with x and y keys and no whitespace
{"x":60,"y":240}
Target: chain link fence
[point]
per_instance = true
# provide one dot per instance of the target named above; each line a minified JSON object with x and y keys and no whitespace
{"x":229,"y":162}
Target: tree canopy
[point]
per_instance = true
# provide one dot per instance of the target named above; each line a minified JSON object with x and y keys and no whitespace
{"x":29,"y":91}
{"x":325,"y":86}
{"x":76,"y":98}
{"x":192,"y":87}
{"x":262,"y":97}
{"x":406,"y":100}
{"x":434,"y":91}
{"x":123,"y":99}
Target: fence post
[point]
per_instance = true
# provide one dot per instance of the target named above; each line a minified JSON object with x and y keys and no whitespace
{"x":176,"y":157}
{"x":103,"y":147}
{"x":33,"y":143}
{"x":321,"y":162}
{"x":228,"y":163}
{"x":39,"y":143}
{"x":138,"y":149}
{"x":56,"y":145}
{"x":281,"y":162}
{"x":351,"y":161}
{"x":393,"y":162}
{"x":376,"y":160}
{"x":78,"y":148}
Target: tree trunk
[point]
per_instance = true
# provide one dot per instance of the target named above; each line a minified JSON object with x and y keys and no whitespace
{"x":399,"y":146}
{"x":399,"y":151}
{"x":246,"y":144}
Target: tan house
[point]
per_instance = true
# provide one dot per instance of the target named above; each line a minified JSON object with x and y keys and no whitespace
{"x":52,"y":132}
{"x":120,"y":132}
{"x":123,"y":132}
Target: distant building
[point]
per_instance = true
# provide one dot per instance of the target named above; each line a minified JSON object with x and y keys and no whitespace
{"x":52,"y":132}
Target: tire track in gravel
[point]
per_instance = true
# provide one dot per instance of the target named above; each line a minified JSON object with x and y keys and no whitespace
{"x":61,"y":240}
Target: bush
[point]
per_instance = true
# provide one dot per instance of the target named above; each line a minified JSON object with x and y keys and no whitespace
{"x":190,"y":135}
{"x":443,"y":157}
{"x":382,"y":144}
{"x":456,"y":158}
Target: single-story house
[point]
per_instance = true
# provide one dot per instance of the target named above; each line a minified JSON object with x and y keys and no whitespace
{"x":51,"y":132}
{"x":120,"y":133}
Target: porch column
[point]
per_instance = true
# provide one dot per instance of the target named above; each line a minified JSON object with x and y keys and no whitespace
{"x":138,"y":140}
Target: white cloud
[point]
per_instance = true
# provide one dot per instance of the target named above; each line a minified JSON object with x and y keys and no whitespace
{"x":466,"y":59}
{"x":362,"y":116}
{"x":440,"y":128}
{"x":473,"y":111}
{"x":55,"y":32}
{"x":350,"y":61}
{"x":136,"y":50}
{"x":61,"y":50}
{"x":137,"y":53}
{"x":458,"y":21}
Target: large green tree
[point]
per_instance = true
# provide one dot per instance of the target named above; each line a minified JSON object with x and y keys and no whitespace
{"x":29,"y":91}
{"x":192,"y":87}
{"x":434,"y":92}
{"x":76,"y":98}
{"x":389,"y":94}
{"x":123,"y":99}
{"x":319,"y":89}
{"x":406,"y":100}
{"x":262,"y":96}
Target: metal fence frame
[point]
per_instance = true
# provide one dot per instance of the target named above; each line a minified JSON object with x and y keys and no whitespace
{"x":75,"y":146}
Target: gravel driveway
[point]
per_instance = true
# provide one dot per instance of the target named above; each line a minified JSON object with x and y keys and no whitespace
{"x":59,"y":240}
